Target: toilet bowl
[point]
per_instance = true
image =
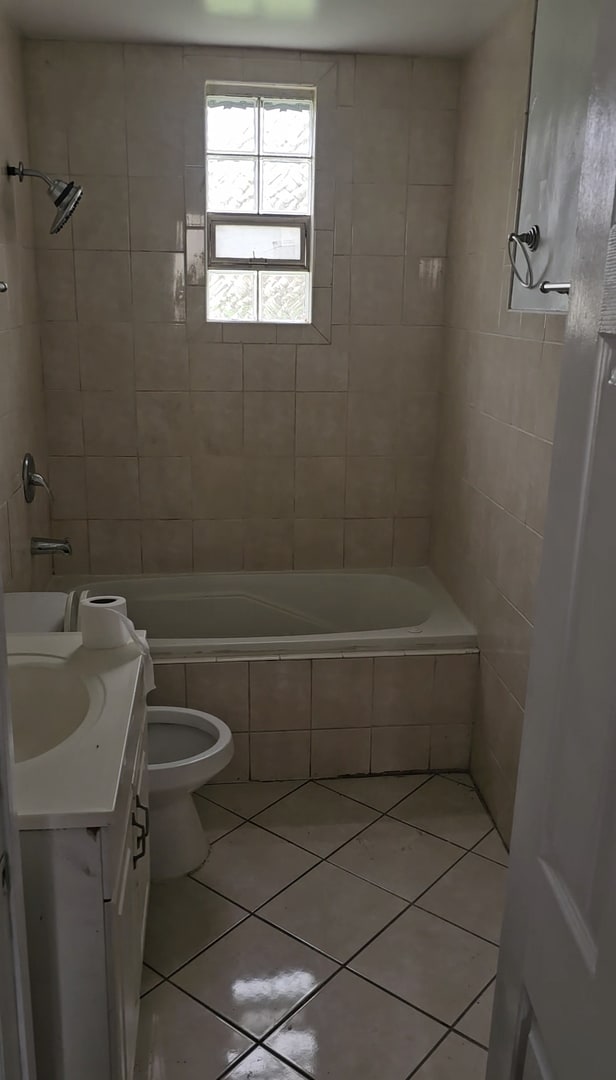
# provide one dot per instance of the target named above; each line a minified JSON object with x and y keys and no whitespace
{"x":186,"y":748}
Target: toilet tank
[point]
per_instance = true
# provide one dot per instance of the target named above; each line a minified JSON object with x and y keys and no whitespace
{"x":34,"y":612}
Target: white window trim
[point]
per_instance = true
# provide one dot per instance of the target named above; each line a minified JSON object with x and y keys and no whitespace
{"x":304,"y":223}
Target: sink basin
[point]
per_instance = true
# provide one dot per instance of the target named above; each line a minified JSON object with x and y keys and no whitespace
{"x":49,"y":701}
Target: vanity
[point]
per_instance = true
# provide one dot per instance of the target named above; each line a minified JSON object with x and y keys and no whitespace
{"x":82,"y":805}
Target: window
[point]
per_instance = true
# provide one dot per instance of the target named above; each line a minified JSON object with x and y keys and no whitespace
{"x":259,"y":196}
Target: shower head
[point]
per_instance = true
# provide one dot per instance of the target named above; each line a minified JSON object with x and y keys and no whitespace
{"x":64,"y":193}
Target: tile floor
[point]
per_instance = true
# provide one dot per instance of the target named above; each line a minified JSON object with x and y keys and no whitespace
{"x":340,"y":929}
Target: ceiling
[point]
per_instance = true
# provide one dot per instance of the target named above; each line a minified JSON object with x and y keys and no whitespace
{"x":428,"y":27}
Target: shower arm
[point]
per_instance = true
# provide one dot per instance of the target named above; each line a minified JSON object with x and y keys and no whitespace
{"x":21,"y":171}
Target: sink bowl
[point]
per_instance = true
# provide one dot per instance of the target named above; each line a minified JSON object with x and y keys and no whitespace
{"x":49,"y":701}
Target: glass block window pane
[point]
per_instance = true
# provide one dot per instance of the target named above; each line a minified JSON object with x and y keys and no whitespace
{"x":284,"y":297}
{"x":286,"y":127}
{"x":232,"y":295}
{"x":231,"y":125}
{"x":231,"y":184}
{"x":285,"y":186}
{"x":258,"y":242}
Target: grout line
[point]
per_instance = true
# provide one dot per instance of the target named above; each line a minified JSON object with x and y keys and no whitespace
{"x":341,"y":966}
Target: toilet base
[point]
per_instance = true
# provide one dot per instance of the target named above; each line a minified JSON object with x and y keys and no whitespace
{"x":178,"y":843}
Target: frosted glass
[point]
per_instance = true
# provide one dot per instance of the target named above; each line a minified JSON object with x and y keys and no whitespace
{"x":259,"y":242}
{"x":231,"y":185}
{"x":231,"y":125}
{"x":286,"y":127}
{"x":285,"y":186}
{"x":232,"y":296}
{"x":284,"y":297}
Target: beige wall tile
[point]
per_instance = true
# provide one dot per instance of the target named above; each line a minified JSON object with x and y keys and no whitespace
{"x":60,"y":355}
{"x":435,"y":82}
{"x":318,"y":543}
{"x":319,"y":487}
{"x":340,"y":753}
{"x":115,"y":547}
{"x":64,"y":421}
{"x":403,"y":690}
{"x":161,"y":356}
{"x":157,"y":213}
{"x":269,"y":423}
{"x":220,"y":688}
{"x":158,"y":286}
{"x":112,"y":487}
{"x":342,"y":693}
{"x":164,"y":424}
{"x":165,"y":487}
{"x":56,"y":286}
{"x":106,"y":356}
{"x":218,"y":487}
{"x":380,"y":146}
{"x":432,"y":145}
{"x":324,"y":367}
{"x":269,"y":367}
{"x":280,"y":755}
{"x":382,"y":81}
{"x":166,"y":546}
{"x":369,"y":487}
{"x":216,"y":423}
{"x":170,"y":685}
{"x":109,"y":422}
{"x":450,"y":746}
{"x":400,"y":749}
{"x":376,"y":289}
{"x":218,"y":545}
{"x":104,"y":224}
{"x":411,"y":541}
{"x":378,"y":213}
{"x":102,"y":282}
{"x":154,"y":109}
{"x":279,"y":695}
{"x":268,"y":544}
{"x":269,"y":487}
{"x":68,"y":483}
{"x":320,"y":424}
{"x":368,"y":543}
{"x":371,"y":424}
{"x":96,"y":132}
{"x":215,"y":366}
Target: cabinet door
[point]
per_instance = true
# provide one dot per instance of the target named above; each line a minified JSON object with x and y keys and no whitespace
{"x":120,"y":974}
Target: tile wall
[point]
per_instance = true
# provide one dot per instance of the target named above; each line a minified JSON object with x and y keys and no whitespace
{"x":178,"y":444}
{"x":333,"y":716}
{"x":22,"y":420}
{"x":498,"y":404}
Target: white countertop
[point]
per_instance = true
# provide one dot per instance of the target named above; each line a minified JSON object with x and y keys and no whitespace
{"x":75,"y":784}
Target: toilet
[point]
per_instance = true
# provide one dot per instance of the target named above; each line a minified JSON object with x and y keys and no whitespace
{"x":186,"y":748}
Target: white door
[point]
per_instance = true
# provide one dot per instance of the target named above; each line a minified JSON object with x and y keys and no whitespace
{"x":16,"y":1057}
{"x":555,"y":1010}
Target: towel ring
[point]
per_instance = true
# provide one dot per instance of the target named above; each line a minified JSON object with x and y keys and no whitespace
{"x":520,"y":242}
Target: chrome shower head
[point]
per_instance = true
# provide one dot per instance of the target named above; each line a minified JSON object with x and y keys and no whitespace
{"x":64,"y":193}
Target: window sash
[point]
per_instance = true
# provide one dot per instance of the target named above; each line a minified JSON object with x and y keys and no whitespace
{"x":215,"y":261}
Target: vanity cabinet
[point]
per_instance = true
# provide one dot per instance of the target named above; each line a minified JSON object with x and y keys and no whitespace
{"x":86,"y":891}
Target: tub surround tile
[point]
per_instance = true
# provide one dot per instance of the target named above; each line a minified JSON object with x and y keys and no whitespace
{"x":221,"y":689}
{"x":403,"y":689}
{"x":280,"y":755}
{"x":340,"y":752}
{"x":400,"y":749}
{"x":238,"y":768}
{"x":342,"y":693}
{"x":279,"y":695}
{"x":450,"y":746}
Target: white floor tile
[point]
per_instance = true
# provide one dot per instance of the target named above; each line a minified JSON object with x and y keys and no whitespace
{"x":250,"y":797}
{"x":316,"y":818}
{"x":215,"y":819}
{"x":492,"y":847}
{"x":454,"y":1059}
{"x":477,"y":1021}
{"x":472,"y":895}
{"x":381,"y":792}
{"x":183,"y":918}
{"x":443,"y":808}
{"x":250,"y":865}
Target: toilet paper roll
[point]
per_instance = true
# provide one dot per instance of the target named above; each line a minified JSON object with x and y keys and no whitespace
{"x":100,"y":624}
{"x":104,"y":624}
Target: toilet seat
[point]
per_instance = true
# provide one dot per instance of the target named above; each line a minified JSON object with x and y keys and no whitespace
{"x":185,"y":748}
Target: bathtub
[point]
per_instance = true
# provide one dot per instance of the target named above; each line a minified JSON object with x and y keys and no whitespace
{"x":332,"y":673}
{"x":285,"y":614}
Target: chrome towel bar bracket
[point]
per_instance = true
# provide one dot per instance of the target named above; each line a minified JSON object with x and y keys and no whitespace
{"x":555,"y":287}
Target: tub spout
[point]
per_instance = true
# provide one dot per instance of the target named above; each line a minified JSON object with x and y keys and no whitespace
{"x":42,"y":545}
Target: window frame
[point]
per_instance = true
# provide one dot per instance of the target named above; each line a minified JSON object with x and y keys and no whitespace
{"x":305,"y":222}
